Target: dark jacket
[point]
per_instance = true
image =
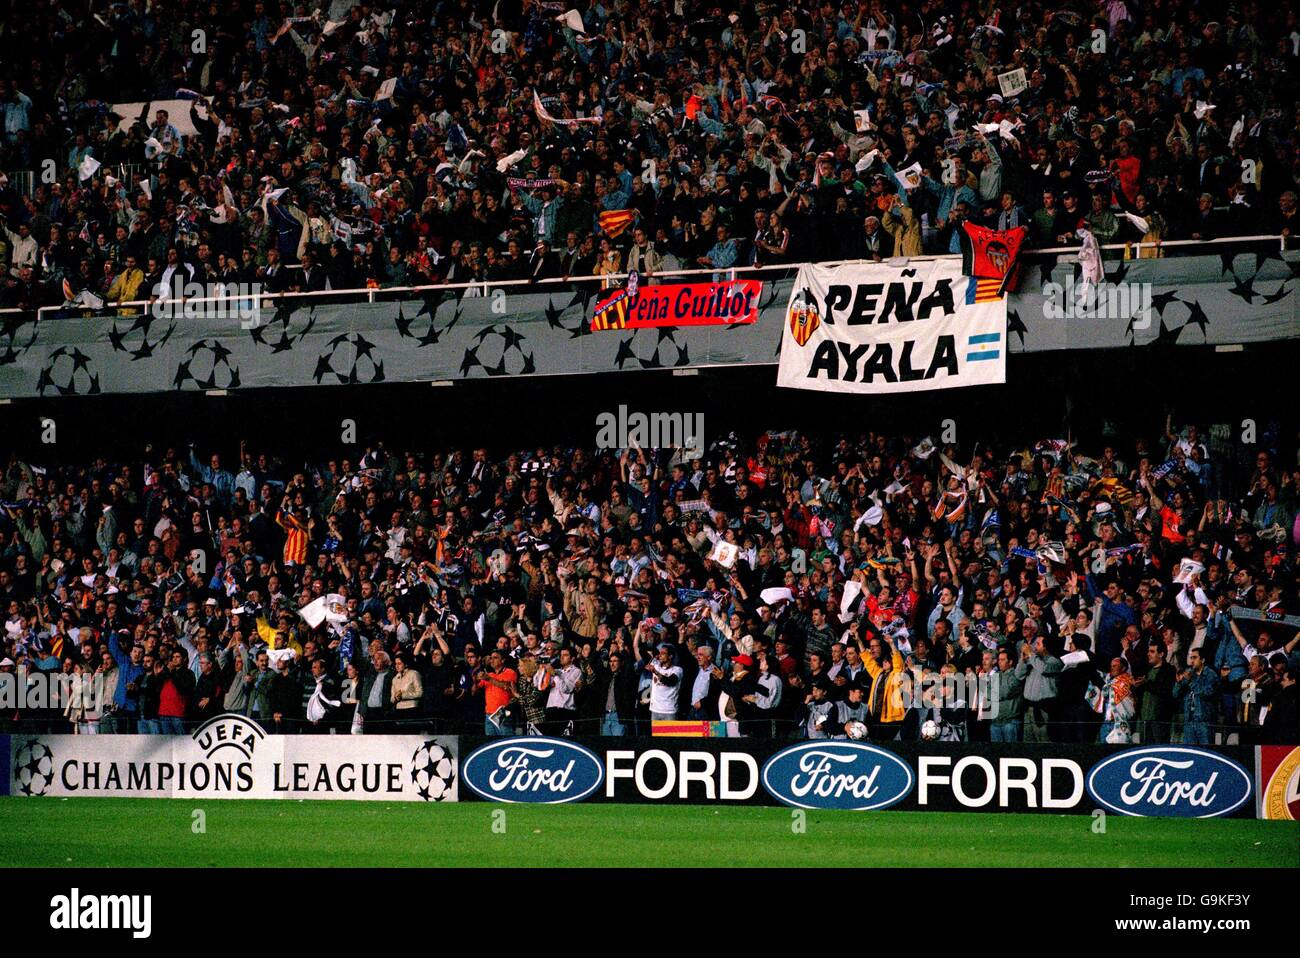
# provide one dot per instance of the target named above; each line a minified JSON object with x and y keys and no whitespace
{"x":368,"y":683}
{"x":213,"y":688}
{"x":625,"y":697}
{"x":286,"y":695}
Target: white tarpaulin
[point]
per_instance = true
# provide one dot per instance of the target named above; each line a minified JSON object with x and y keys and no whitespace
{"x":883,"y":329}
{"x":178,"y":114}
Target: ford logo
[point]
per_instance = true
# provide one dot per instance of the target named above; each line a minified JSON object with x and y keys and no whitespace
{"x":1168,"y":781}
{"x":545,"y":771}
{"x":845,"y":775}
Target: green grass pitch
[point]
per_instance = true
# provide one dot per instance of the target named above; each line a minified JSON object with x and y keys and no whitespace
{"x":125,"y":832}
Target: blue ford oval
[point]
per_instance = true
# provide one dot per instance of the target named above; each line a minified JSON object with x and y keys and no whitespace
{"x":1169,"y":781}
{"x":835,"y":774}
{"x":544,"y":771}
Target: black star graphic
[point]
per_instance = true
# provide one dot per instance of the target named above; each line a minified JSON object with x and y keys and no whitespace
{"x":624,"y":353}
{"x":485,"y":332}
{"x":10,"y":323}
{"x":470,"y":361}
{"x":378,"y":377}
{"x":667,"y":332}
{"x":143,"y":321}
{"x":94,"y":385}
{"x":1196,"y":315}
{"x":1166,"y":336}
{"x":1016,"y":325}
{"x":1161,"y":300}
{"x":529,"y":366}
{"x":582,"y":329}
{"x":1226,"y":259}
{"x":683,"y":356}
{"x":143,"y":351}
{"x":117,"y":340}
{"x":323,"y":366}
{"x":283,"y":345}
{"x":498,"y":370}
{"x":1267,"y":253}
{"x":234,"y":379}
{"x":79,"y":359}
{"x":363,"y":346}
{"x":403,"y":324}
{"x":1246,"y":290}
{"x":340,"y":338}
{"x":182,"y":374}
{"x":553,"y":315}
{"x":220,"y":354}
{"x":44,"y":381}
{"x":513,"y":339}
{"x":1281,"y":293}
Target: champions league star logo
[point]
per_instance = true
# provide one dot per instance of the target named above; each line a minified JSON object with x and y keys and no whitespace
{"x":33,"y":767}
{"x":433,"y":772}
{"x":285,"y":329}
{"x":500,"y":352}
{"x":360,"y":368}
{"x":660,"y":357}
{"x":423,"y":328}
{"x":135,"y":339}
{"x":208,"y":367}
{"x":68,"y":372}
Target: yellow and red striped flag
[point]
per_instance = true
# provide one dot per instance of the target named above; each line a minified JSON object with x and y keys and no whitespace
{"x":614,"y":222}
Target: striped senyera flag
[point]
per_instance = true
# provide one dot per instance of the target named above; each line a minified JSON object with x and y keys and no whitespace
{"x":614,"y":222}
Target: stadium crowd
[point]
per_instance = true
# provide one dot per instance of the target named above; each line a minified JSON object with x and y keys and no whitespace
{"x":342,"y":145}
{"x":784,"y":585}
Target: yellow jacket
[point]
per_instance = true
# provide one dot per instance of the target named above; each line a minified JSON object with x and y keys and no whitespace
{"x":126,"y":287}
{"x":891,"y":709}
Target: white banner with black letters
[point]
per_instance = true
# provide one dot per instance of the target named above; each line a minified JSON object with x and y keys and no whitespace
{"x":876,"y":328}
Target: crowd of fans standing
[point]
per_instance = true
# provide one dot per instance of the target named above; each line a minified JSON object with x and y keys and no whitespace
{"x":341,"y":145}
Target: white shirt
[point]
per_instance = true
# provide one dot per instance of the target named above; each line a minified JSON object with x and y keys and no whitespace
{"x":663,"y":698}
{"x":563,"y":685}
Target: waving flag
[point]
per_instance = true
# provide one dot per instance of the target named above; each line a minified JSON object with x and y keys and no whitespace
{"x":614,"y":222}
{"x":991,"y":254}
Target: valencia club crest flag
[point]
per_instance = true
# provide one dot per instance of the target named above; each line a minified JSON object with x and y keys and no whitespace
{"x":992,"y":254}
{"x":804,"y":316}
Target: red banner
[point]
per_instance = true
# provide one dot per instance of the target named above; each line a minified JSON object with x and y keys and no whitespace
{"x":680,"y":304}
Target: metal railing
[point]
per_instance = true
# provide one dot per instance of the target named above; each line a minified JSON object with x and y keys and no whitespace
{"x":486,"y":287}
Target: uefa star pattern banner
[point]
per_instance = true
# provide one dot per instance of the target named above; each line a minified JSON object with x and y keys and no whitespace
{"x":230,"y":756}
{"x":546,"y":329}
{"x":888,"y":329}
